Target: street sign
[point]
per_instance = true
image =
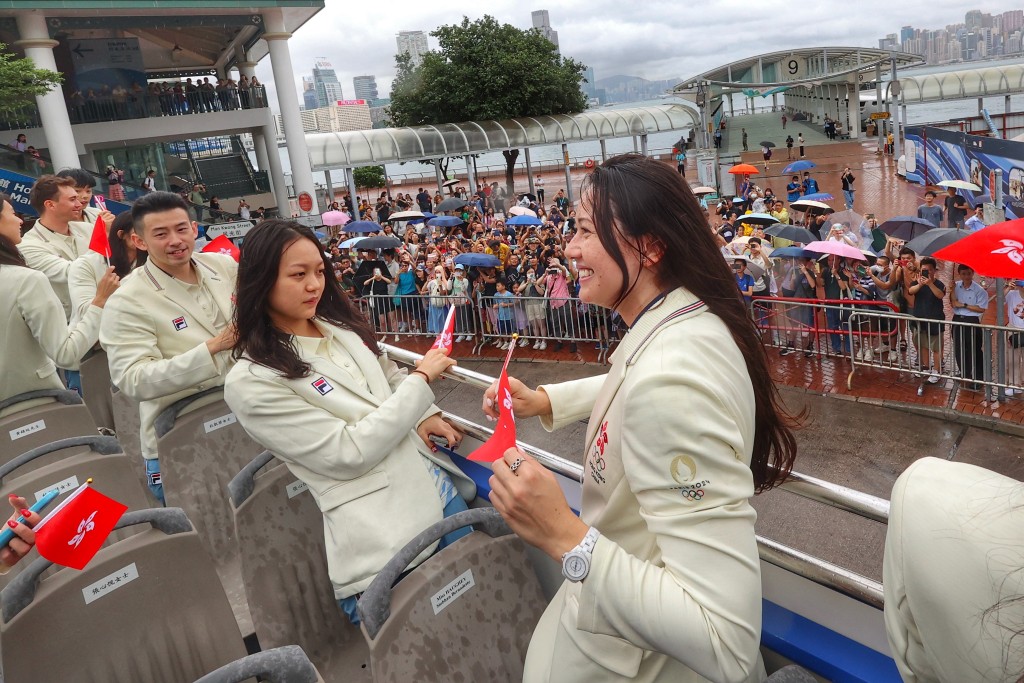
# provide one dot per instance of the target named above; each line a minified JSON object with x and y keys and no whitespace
{"x":305,"y":201}
{"x":879,"y":115}
{"x":229,"y":230}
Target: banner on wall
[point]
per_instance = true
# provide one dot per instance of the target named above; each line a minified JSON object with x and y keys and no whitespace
{"x":19,"y":187}
{"x":934,"y":154}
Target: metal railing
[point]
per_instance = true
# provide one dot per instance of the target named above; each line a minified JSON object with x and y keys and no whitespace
{"x":807,"y":566}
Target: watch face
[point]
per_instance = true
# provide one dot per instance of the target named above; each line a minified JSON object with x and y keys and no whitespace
{"x":575,"y":566}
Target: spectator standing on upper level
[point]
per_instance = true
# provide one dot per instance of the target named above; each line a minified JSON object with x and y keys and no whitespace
{"x":149,"y":184}
{"x":956,"y":209}
{"x":115,"y":183}
{"x":243,"y":209}
{"x":929,"y":211}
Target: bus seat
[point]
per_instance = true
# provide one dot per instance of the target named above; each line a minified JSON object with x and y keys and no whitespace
{"x":50,"y":414}
{"x":792,"y":674}
{"x":280,"y":536}
{"x":442,"y":621}
{"x":147,"y":608}
{"x":96,"y":389}
{"x":98,"y":457}
{"x":287,"y":664}
{"x":201,"y":446}
{"x":127,"y":424}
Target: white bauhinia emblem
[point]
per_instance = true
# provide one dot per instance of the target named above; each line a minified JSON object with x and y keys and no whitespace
{"x":225,"y":251}
{"x":507,"y":404}
{"x":446,"y":339}
{"x":1013,"y":249}
{"x":84,"y":527}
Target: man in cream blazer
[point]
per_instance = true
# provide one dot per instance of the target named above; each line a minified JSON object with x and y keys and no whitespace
{"x":952,"y":574}
{"x":344,"y":431}
{"x":167,"y":331}
{"x":673,"y":593}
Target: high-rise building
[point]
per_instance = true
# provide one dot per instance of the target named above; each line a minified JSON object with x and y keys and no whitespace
{"x":973,"y":19}
{"x":308,"y":93}
{"x":413,"y":42}
{"x":1012,"y":21}
{"x":365,"y":87}
{"x":326,"y":84}
{"x":590,"y":87}
{"x":542,"y":22}
{"x":906,"y":33}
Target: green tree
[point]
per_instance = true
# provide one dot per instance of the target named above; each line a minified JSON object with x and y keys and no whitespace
{"x":369,"y":176}
{"x":21,"y":81}
{"x":486,"y":70}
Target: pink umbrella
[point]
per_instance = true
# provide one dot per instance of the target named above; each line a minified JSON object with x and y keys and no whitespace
{"x":836,"y":249}
{"x":334,"y":218}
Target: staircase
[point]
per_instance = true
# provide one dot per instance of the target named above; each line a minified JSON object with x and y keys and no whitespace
{"x":222,"y":165}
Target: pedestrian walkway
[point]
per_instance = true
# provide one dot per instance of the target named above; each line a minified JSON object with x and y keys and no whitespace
{"x":769,"y":127}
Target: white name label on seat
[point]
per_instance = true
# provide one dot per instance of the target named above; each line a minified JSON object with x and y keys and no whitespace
{"x":218,"y":422}
{"x":62,"y":486}
{"x":453,"y":591}
{"x":295,"y":488}
{"x":30,"y":428}
{"x":110,"y":583}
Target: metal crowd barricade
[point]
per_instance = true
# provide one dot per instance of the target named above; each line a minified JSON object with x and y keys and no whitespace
{"x":543,"y":321}
{"x":981,"y":357}
{"x":418,"y":315}
{"x":817,"y":326}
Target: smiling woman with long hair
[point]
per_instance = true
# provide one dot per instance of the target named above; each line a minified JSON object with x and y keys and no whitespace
{"x":662,"y":565}
{"x":313,"y":387}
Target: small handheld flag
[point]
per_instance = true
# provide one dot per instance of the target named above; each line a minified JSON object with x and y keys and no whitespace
{"x":504,"y":436}
{"x":222,"y":245}
{"x":100,"y":201}
{"x":74,"y":531}
{"x":444,"y":340}
{"x":99,"y":241}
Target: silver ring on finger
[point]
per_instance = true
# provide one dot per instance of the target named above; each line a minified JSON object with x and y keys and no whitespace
{"x":515,"y":465}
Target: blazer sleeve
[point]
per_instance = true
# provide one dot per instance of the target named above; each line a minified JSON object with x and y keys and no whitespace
{"x":701,"y":604}
{"x":55,"y":268}
{"x":83,"y":278}
{"x":309,"y":434}
{"x":44,"y":315}
{"x":396,"y":376}
{"x":128,"y":334}
{"x":570,"y":401}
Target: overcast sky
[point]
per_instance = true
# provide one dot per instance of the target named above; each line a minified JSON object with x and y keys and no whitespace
{"x":657,"y":39}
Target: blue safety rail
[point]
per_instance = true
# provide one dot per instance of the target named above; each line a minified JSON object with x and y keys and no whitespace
{"x":802,"y":641}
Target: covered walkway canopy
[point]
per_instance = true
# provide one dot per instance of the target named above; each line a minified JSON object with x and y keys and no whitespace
{"x":980,"y":81}
{"x":352,"y":149}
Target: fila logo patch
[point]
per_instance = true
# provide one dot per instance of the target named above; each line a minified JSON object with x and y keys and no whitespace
{"x":179,"y":323}
{"x":322,"y":386}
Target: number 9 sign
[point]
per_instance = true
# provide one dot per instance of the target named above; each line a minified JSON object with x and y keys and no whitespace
{"x":792,"y":68}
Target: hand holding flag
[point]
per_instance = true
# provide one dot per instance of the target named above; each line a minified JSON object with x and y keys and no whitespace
{"x":222,"y":245}
{"x":504,"y":436}
{"x":74,"y":531}
{"x":444,"y":340}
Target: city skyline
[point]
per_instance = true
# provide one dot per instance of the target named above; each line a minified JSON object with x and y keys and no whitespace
{"x":666,"y":41}
{"x":981,"y":35}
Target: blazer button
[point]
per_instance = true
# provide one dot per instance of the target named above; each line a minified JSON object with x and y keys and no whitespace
{"x":200,"y":387}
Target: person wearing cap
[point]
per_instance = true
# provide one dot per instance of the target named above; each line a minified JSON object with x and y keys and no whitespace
{"x":977,"y":221}
{"x":839,"y":233}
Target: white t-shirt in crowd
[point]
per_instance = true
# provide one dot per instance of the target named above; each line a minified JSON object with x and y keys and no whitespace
{"x":1015,"y":309}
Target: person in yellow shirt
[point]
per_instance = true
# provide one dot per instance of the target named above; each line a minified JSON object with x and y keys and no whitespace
{"x":780,"y":212}
{"x":496,"y":247}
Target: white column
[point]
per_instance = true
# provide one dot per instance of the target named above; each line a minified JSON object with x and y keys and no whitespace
{"x":288,"y":100}
{"x":273,"y":158}
{"x":329,"y":196}
{"x":604,"y":150}
{"x":53,"y":112}
{"x":643,"y":144}
{"x":470,"y":175}
{"x":259,"y":146}
{"x":529,"y":171}
{"x":439,"y":176}
{"x":853,"y":111}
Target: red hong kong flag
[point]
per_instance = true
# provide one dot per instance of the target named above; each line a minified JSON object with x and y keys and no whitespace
{"x":995,"y":251}
{"x":504,"y":436}
{"x":99,"y":242}
{"x":444,"y":340}
{"x":76,"y":529}
{"x":222,"y":245}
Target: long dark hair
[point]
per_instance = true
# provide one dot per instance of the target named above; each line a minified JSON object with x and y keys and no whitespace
{"x":9,"y":254}
{"x":641,"y":197}
{"x":258,"y":339}
{"x":120,"y":228}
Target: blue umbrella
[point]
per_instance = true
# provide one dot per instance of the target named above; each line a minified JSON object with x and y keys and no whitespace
{"x":319,"y":235}
{"x":793,"y":252}
{"x":363,"y":226}
{"x":445,"y":221}
{"x":797,"y":166}
{"x":524,"y":220}
{"x":818,"y":197}
{"x":350,"y":242}
{"x":426,"y":216}
{"x":475,"y":259}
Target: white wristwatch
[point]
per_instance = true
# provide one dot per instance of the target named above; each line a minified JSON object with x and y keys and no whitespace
{"x":576,"y":562}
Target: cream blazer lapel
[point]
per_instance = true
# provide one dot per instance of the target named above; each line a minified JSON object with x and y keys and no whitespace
{"x":365,"y":361}
{"x":176,"y":292}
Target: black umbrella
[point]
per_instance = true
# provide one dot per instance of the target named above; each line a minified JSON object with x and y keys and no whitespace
{"x":927,"y":243}
{"x":531,"y":197}
{"x":767,"y":143}
{"x":905,"y":227}
{"x":791,"y":232}
{"x":379,"y":242}
{"x":451,"y":204}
